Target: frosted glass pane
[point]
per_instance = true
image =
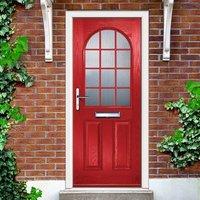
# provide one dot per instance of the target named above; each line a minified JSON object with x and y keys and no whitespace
{"x":92,"y":78}
{"x":123,"y":59}
{"x":91,"y":59}
{"x":93,"y":42}
{"x":123,"y":97}
{"x":122,"y":42}
{"x":123,"y":78}
{"x":107,"y":97}
{"x":108,"y":78}
{"x":107,"y":59}
{"x":93,"y":97}
{"x":107,"y":39}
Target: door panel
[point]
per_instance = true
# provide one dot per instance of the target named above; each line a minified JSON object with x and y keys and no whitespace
{"x":106,"y":71}
{"x":122,"y":151}
{"x":93,"y":145}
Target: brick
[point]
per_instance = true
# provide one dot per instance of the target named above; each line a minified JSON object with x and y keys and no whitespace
{"x":93,"y":6}
{"x":55,"y":147}
{"x":35,"y":173}
{"x":35,"y":160}
{"x":129,"y":6}
{"x":190,"y":57}
{"x":56,"y":173}
{"x":45,"y":141}
{"x":73,"y":7}
{"x":60,"y":166}
{"x":45,"y":166}
{"x":56,"y":160}
{"x":110,"y":6}
{"x":27,"y":166}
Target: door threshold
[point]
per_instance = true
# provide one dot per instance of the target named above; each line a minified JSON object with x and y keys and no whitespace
{"x":106,"y":190}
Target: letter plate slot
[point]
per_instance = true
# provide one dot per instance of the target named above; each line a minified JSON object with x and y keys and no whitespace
{"x":107,"y":114}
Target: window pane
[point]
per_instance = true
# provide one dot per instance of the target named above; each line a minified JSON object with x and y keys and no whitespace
{"x":93,"y":97}
{"x":108,"y":78}
{"x":107,"y":39}
{"x":123,"y":59}
{"x":92,"y":78}
{"x":92,"y":59}
{"x":93,"y":42}
{"x":107,"y":59}
{"x":123,"y":78}
{"x":123,"y":97}
{"x":122,"y":42}
{"x":107,"y":97}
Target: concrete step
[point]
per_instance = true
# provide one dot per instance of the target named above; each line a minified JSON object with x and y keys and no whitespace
{"x":105,"y":194}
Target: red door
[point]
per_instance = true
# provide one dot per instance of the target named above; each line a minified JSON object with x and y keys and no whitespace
{"x":107,"y":102}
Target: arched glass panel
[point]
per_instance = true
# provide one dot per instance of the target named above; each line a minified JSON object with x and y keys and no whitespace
{"x":107,"y":39}
{"x":122,"y":42}
{"x":93,"y":42}
{"x":107,"y":69}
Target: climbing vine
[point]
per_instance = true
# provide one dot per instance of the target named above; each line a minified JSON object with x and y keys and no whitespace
{"x":12,"y":72}
{"x":7,"y":8}
{"x":184,"y":144}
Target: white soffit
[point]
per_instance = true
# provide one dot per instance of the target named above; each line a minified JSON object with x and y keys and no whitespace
{"x":168,"y":8}
{"x":46,"y":6}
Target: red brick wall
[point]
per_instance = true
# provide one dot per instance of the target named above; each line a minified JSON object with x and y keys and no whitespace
{"x":40,"y":142}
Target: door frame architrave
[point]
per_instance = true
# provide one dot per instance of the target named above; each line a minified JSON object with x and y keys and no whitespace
{"x":144,"y":15}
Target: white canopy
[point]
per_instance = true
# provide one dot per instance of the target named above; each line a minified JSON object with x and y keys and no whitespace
{"x":46,"y":6}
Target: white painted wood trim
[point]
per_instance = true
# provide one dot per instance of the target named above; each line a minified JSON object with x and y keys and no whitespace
{"x":69,"y":102}
{"x":144,"y":15}
{"x":145,"y":100}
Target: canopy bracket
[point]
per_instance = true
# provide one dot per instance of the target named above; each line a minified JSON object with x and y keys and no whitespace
{"x":168,"y":8}
{"x":46,"y":6}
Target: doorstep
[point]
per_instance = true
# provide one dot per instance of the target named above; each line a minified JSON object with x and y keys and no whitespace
{"x":106,"y":194}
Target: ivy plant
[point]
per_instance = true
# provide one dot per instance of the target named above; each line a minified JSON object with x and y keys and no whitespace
{"x":8,"y":115}
{"x":12,"y":70}
{"x":34,"y":194}
{"x":184,"y":144}
{"x":7,"y":9}
{"x":12,"y":73}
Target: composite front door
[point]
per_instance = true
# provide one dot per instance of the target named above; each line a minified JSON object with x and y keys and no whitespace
{"x":107,"y":102}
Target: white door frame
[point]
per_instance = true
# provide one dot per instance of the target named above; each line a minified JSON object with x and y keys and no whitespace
{"x":144,"y":15}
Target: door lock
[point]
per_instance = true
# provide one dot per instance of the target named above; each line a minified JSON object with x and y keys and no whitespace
{"x":78,"y":97}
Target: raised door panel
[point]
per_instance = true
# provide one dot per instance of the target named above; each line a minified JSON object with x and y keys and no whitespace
{"x":93,"y":145}
{"x":122,"y":145}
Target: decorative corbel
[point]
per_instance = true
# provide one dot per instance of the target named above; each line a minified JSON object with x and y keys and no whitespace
{"x":168,"y":8}
{"x":46,"y":6}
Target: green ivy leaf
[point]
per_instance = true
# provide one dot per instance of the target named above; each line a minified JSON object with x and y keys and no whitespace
{"x":3,"y":141}
{"x":3,"y":122}
{"x":34,"y":194}
{"x":21,"y":44}
{"x":193,"y":87}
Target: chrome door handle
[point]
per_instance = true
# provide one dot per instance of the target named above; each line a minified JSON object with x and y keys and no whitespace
{"x":78,"y":97}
